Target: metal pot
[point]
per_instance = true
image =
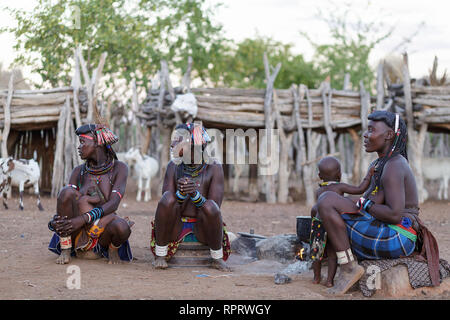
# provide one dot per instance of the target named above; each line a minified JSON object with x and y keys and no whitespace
{"x":303,"y":228}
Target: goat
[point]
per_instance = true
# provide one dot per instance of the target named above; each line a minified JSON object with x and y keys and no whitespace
{"x":146,"y":168}
{"x":437,"y":168}
{"x":22,"y":173}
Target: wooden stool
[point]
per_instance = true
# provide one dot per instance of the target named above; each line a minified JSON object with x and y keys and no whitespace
{"x":191,"y":254}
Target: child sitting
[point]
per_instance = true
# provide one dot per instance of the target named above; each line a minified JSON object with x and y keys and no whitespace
{"x":330,"y":174}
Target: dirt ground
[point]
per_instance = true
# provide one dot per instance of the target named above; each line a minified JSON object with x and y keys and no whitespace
{"x":28,"y":269}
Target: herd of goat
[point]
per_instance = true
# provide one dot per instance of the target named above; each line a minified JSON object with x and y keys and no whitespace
{"x":25,"y":173}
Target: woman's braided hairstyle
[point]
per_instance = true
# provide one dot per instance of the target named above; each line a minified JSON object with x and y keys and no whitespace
{"x":399,"y":146}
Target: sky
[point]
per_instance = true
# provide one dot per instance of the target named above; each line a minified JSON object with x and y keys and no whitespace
{"x":284,"y":20}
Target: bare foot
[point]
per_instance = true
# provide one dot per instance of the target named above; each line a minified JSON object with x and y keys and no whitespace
{"x":64,"y":257}
{"x":219,"y":264}
{"x":316,"y":279}
{"x":160,"y":263}
{"x":348,"y":276}
{"x":113,"y":256}
{"x":329,"y":284}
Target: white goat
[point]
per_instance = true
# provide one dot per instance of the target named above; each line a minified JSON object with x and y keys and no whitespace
{"x":437,"y":168}
{"x":23,"y":173}
{"x":146,"y":168}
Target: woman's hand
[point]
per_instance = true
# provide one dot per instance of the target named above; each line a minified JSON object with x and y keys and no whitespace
{"x":187,"y":186}
{"x":65,"y":226}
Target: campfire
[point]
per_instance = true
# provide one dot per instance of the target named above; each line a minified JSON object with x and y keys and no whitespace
{"x":303,"y":252}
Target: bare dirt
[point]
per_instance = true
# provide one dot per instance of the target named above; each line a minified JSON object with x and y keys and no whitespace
{"x":28,"y":269}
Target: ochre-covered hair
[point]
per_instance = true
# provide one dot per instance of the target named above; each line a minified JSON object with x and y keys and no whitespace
{"x":102,"y":134}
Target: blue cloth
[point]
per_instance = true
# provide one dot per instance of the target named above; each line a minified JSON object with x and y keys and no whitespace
{"x":124,"y":250}
{"x":373,"y":239}
{"x":190,"y":236}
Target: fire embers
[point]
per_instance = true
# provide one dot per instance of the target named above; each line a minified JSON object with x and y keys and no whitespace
{"x":318,"y":240}
{"x":303,"y":253}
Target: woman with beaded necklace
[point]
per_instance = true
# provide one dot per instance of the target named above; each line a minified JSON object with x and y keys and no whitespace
{"x":190,"y":205}
{"x":383,"y":223}
{"x":85,"y":223}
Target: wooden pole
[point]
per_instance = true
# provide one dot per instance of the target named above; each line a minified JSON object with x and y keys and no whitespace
{"x":365,"y":105}
{"x":68,"y":144}
{"x":268,"y":119}
{"x":76,"y":84}
{"x":415,"y":140}
{"x":147,"y":140}
{"x":356,"y":155}
{"x":380,"y":86}
{"x":298,"y":95}
{"x":7,"y":113}
{"x":286,"y":140}
{"x":58,"y":166}
{"x":326,"y":100}
{"x":311,"y":154}
{"x":87,"y":84}
{"x":135,"y":120}
{"x":163,"y":131}
{"x":96,"y":81}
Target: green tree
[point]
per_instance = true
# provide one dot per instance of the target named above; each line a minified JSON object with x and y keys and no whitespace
{"x":243,"y":65}
{"x":135,"y":34}
{"x":353,"y":40}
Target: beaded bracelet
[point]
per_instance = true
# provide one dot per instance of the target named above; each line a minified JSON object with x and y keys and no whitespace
{"x":180,"y":196}
{"x":50,"y":227}
{"x":367,"y":204}
{"x":364,"y":204}
{"x":118,"y":193}
{"x":198,"y":199}
{"x":95,"y":214}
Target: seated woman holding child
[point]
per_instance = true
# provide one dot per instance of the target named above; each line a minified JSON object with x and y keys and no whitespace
{"x":383,"y":222}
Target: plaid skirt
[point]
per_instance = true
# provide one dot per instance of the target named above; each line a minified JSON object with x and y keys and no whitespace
{"x":373,"y":239}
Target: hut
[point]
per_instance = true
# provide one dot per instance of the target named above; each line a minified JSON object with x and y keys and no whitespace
{"x":40,"y":124}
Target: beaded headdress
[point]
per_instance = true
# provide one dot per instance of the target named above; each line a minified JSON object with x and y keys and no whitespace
{"x":101,"y":134}
{"x":199,"y":134}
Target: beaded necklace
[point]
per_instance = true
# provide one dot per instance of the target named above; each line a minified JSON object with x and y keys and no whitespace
{"x":193,"y":171}
{"x":101,"y":169}
{"x":98,"y":171}
{"x":327,"y":183}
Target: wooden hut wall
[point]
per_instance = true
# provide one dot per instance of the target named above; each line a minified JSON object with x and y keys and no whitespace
{"x":31,"y":118}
